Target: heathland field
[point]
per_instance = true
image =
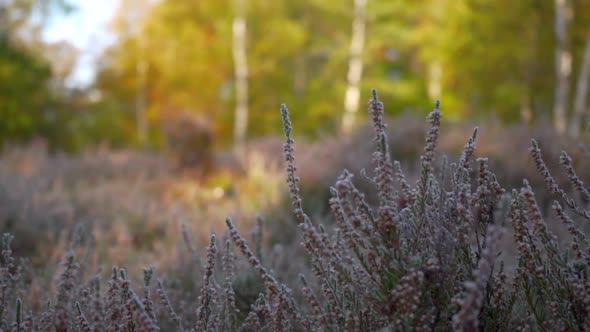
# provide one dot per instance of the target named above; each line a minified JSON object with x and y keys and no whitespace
{"x":228,"y":165}
{"x":338,"y":235}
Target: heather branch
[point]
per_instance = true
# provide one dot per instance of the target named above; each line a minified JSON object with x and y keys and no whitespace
{"x":166,"y":301}
{"x":135,"y":305}
{"x":18,"y":320}
{"x":230,"y":296}
{"x":566,"y":163}
{"x":467,"y":319}
{"x":207,"y":290}
{"x":319,"y":317}
{"x":579,"y":239}
{"x":426,"y":168}
{"x":381,"y":157}
{"x":550,"y":181}
{"x":469,"y":151}
{"x":292,"y":179}
{"x":407,"y":196}
{"x":83,"y":323}
{"x":271,"y":284}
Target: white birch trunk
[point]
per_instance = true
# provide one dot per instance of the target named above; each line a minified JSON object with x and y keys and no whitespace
{"x":141,"y":96}
{"x":355,"y":65}
{"x":241,"y":74}
{"x":581,"y":90}
{"x":563,"y":66}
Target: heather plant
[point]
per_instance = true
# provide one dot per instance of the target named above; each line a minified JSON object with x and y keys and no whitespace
{"x":131,"y":203}
{"x":425,"y":255}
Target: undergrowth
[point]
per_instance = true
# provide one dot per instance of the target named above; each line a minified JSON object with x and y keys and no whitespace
{"x":427,"y":256}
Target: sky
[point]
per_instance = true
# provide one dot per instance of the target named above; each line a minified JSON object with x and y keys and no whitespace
{"x":85,"y":28}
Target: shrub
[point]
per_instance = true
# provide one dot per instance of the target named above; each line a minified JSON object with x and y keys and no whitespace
{"x":189,"y":141}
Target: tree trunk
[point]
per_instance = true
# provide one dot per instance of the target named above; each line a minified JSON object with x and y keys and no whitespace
{"x":563,"y":66}
{"x":140,"y":97}
{"x":355,"y":65}
{"x":241,"y":74}
{"x":581,"y":90}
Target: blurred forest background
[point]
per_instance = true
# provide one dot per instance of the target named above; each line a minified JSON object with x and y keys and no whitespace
{"x":190,"y":84}
{"x":225,"y":66}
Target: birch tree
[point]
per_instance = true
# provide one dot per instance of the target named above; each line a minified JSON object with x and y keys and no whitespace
{"x":355,"y":65}
{"x":563,"y":65}
{"x":241,"y":74}
{"x":141,"y":98}
{"x":581,"y":90}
